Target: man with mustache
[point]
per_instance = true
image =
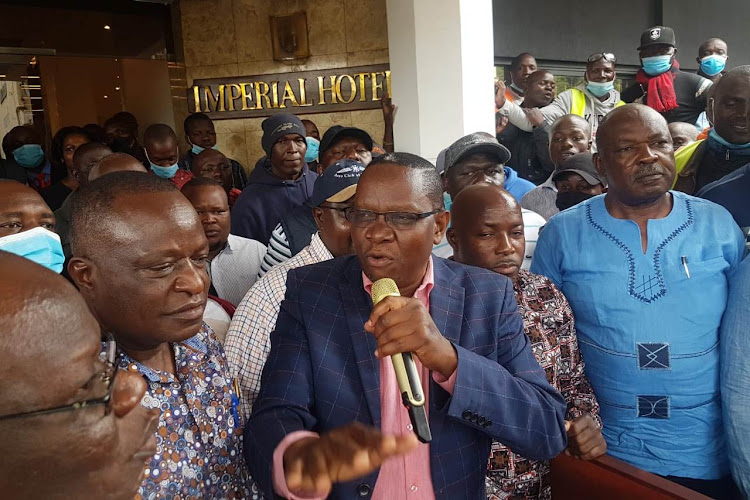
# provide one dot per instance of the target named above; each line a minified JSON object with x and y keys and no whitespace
{"x":646,"y":270}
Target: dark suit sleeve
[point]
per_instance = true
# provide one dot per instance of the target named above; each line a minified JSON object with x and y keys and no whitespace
{"x":286,"y":393}
{"x":541,"y":141}
{"x":509,"y":398}
{"x":632,"y":93}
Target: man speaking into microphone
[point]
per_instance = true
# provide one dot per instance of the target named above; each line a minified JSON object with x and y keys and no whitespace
{"x":330,"y":420}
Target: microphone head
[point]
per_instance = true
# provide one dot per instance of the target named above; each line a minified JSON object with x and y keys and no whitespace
{"x":382,"y":288}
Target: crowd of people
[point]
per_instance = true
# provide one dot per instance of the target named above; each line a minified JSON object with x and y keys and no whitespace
{"x":574,"y":283}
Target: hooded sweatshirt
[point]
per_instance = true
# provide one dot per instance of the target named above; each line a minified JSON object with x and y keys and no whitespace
{"x":515,"y":185}
{"x":562,"y":105}
{"x":266,"y":199}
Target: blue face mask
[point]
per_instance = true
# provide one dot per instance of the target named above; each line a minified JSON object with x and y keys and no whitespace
{"x":313,"y":146}
{"x":198,"y":150}
{"x":713,"y":65}
{"x":38,"y":245}
{"x":164,"y":172}
{"x":656,"y":65}
{"x":743,"y":149}
{"x":600,"y":89}
{"x":29,"y":155}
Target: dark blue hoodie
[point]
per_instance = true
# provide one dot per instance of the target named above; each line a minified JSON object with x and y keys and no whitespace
{"x":266,"y":199}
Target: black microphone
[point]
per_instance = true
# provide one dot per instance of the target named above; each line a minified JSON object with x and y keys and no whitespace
{"x":406,"y":371}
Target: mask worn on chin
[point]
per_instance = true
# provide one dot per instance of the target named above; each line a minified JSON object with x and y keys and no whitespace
{"x":656,"y":65}
{"x":38,"y":245}
{"x":198,"y":150}
{"x":120,"y":145}
{"x":600,"y":89}
{"x":569,"y":199}
{"x":313,"y":146}
{"x":29,"y":155}
{"x":713,"y":65}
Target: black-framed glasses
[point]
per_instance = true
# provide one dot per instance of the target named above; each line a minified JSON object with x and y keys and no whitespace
{"x":107,"y":378}
{"x":396,"y":220}
{"x":607,"y":56}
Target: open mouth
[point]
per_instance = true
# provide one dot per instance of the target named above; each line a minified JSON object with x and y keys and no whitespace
{"x":378,"y":260}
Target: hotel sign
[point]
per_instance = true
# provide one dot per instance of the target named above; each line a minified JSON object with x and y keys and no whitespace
{"x":320,"y":91}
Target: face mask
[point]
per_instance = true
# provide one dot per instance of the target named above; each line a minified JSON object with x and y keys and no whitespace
{"x":600,"y":89}
{"x":570,"y":199}
{"x":38,"y":245}
{"x":198,"y":150}
{"x":313,"y":145}
{"x":164,"y":172}
{"x":656,"y":65}
{"x":518,"y":89}
{"x":29,"y":155}
{"x":712,"y":134}
{"x":120,"y":145}
{"x":713,"y":64}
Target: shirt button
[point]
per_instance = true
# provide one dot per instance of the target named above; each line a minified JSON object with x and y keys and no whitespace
{"x":414,"y":488}
{"x":409,"y":427}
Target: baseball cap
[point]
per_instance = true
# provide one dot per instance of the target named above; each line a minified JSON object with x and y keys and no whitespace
{"x":338,"y":183}
{"x":478,"y":142}
{"x":440,"y":162}
{"x":337,"y":131}
{"x":658,"y":35}
{"x":583,"y":165}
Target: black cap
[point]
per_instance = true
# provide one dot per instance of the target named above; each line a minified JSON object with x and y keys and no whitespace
{"x":658,"y":35}
{"x":277,"y":126}
{"x":338,"y":182}
{"x":478,"y":142}
{"x":583,"y":165}
{"x":337,"y":132}
{"x":440,"y":162}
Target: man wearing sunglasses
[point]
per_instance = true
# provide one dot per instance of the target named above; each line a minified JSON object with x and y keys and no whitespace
{"x":72,"y":426}
{"x":660,"y":83}
{"x":591,"y":100}
{"x":329,"y":369}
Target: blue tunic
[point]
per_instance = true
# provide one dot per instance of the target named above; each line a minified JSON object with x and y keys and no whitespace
{"x":648,"y":326}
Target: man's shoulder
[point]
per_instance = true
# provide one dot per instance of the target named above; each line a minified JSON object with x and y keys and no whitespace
{"x":325,"y":270}
{"x":703,"y":210}
{"x":692,"y":78}
{"x":730,"y":185}
{"x":531,"y":218}
{"x":474,"y":280}
{"x":242,"y":244}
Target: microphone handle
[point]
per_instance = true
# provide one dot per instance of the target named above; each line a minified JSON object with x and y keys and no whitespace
{"x":412,"y":394}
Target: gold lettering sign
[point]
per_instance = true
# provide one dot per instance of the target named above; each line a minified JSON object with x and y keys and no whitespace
{"x":322,"y":91}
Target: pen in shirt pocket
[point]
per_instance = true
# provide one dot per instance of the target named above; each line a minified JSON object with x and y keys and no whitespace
{"x":684,"y":264}
{"x":236,"y":403}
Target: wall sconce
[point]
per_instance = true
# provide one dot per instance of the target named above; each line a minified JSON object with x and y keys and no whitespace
{"x":289,"y":37}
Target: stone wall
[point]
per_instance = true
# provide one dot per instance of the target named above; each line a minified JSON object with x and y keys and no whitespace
{"x":225,"y":38}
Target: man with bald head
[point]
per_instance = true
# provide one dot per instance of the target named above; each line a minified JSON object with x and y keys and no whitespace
{"x":329,"y":410}
{"x":115,"y":162}
{"x":163,"y":154}
{"x":27,"y":226}
{"x":71,"y":423}
{"x":139,"y":260}
{"x":682,"y":133}
{"x":214,"y":165}
{"x":487,"y":231}
{"x":645,"y":270}
{"x":568,"y":135}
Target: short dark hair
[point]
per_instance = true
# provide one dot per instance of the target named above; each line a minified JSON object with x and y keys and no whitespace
{"x":432,"y":184}
{"x":194,"y":118}
{"x":202,"y":181}
{"x":158,"y":132}
{"x":517,"y":60}
{"x":92,"y":205}
{"x":738,"y":72}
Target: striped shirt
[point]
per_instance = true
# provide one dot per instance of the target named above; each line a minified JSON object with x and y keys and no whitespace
{"x":532,"y":222}
{"x":248,"y":340}
{"x":278,"y":251}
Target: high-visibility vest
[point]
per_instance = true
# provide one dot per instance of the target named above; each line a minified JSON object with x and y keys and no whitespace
{"x":578,"y":104}
{"x":682,"y":157}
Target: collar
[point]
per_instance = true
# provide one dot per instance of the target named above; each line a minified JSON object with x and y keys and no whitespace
{"x":318,"y":249}
{"x":718,"y":143}
{"x":422,"y":292}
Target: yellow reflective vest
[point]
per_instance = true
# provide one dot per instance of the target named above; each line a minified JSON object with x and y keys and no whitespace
{"x":578,"y":103}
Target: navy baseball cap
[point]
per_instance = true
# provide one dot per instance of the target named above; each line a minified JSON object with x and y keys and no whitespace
{"x":338,"y":183}
{"x":337,"y":132}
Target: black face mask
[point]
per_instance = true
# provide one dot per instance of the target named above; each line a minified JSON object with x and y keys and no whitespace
{"x":120,"y":145}
{"x":570,"y":199}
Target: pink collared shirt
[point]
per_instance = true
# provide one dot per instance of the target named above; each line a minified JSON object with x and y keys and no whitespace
{"x":403,"y":477}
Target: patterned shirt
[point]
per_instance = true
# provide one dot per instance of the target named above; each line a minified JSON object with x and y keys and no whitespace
{"x":549,"y":325}
{"x":248,"y":340}
{"x":199,"y":437}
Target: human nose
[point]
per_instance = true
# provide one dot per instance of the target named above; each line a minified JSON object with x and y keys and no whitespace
{"x":379,"y":231}
{"x":647,"y":154}
{"x":208,"y":218}
{"x":351,"y":154}
{"x":192,"y":279}
{"x":504,"y":245}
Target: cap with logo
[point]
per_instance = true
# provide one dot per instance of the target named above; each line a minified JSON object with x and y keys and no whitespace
{"x":658,"y":35}
{"x":277,"y":126}
{"x":337,"y":132}
{"x":583,"y":165}
{"x":478,"y":142}
{"x":338,"y":183}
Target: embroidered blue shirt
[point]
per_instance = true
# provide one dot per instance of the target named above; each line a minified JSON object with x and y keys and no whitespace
{"x":199,"y":437}
{"x":648,"y":325}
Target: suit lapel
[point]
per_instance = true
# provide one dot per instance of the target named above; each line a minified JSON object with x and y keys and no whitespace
{"x":357,"y":307}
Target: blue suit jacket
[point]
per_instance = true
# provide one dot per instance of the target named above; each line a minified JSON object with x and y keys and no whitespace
{"x":322,"y":373}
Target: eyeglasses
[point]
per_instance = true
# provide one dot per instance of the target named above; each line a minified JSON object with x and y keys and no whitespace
{"x":107,"y":378}
{"x":396,"y":220}
{"x":607,"y":56}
